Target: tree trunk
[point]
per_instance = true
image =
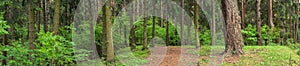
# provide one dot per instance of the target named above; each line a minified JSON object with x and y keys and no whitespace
{"x":258,"y":23}
{"x":56,"y":17}
{"x":109,"y":39}
{"x":145,"y":27}
{"x":270,"y":18}
{"x":153,"y":32}
{"x":182,"y":24}
{"x":198,"y":45}
{"x":30,"y":27}
{"x":233,"y":35}
{"x":243,"y":14}
{"x":46,"y":13}
{"x":132,"y":31}
{"x":167,"y":32}
{"x":213,"y":24}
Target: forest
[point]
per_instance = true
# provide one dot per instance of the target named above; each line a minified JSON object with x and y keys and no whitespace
{"x":149,"y":33}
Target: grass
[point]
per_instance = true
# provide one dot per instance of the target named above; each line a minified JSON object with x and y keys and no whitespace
{"x":259,"y":56}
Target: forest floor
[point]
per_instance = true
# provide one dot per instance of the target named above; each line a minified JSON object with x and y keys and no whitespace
{"x":254,"y":55}
{"x":171,"y":56}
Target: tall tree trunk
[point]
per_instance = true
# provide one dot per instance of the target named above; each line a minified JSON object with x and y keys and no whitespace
{"x":46,"y":13}
{"x":258,"y":23}
{"x":167,"y":32}
{"x":161,"y":14}
{"x":153,"y":32}
{"x":213,"y":24}
{"x":30,"y":27}
{"x":182,"y":24}
{"x":233,"y":35}
{"x":132,"y":31}
{"x":198,"y":45}
{"x":243,"y":14}
{"x":270,"y":18}
{"x":56,"y":17}
{"x":297,"y":24}
{"x":109,"y":39}
{"x":145,"y":26}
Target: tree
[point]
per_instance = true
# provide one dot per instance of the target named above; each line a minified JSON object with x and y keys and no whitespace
{"x":109,"y":39}
{"x":132,"y":33}
{"x":233,"y":35}
{"x":258,"y":23}
{"x":145,"y":27}
{"x":213,"y":24}
{"x":198,"y":45}
{"x":243,"y":14}
{"x":182,"y":23}
{"x":270,"y":17}
{"x":30,"y":27}
{"x":56,"y":17}
{"x":153,"y":32}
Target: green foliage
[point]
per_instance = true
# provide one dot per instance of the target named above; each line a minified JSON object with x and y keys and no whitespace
{"x":268,"y":34}
{"x":205,"y":36}
{"x":54,"y":48}
{"x":3,"y":25}
{"x":250,"y":35}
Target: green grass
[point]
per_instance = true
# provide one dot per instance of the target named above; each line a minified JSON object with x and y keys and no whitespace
{"x":260,"y":56}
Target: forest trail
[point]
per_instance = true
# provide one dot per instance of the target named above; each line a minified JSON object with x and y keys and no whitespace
{"x":171,"y":56}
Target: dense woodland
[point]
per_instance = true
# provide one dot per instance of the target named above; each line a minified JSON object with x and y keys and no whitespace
{"x":42,"y":32}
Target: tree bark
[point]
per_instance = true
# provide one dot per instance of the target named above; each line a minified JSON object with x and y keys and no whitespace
{"x":145,"y":46}
{"x":109,"y":40}
{"x":56,"y":17}
{"x":213,"y":24}
{"x":132,"y":31}
{"x":30,"y":27}
{"x":270,"y":18}
{"x":46,"y":13}
{"x":233,"y":35}
{"x":243,"y":14}
{"x":198,"y":45}
{"x":182,"y":24}
{"x":153,"y":32}
{"x":258,"y":23}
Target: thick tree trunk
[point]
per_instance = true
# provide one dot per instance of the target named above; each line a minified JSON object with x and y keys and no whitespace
{"x":56,"y":17}
{"x":198,"y":45}
{"x":258,"y":23}
{"x":30,"y":27}
{"x":233,"y":35}
{"x":270,"y":18}
{"x":109,"y":39}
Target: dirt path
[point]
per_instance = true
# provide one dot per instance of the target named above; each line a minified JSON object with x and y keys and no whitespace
{"x":170,"y":56}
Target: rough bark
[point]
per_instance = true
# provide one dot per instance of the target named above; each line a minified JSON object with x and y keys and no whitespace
{"x":46,"y":12}
{"x":167,"y":32}
{"x":233,"y":35}
{"x":258,"y":23}
{"x":56,"y":17}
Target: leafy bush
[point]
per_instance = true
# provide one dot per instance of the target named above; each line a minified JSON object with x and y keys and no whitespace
{"x":205,"y":37}
{"x":53,"y":49}
{"x":268,"y":35}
